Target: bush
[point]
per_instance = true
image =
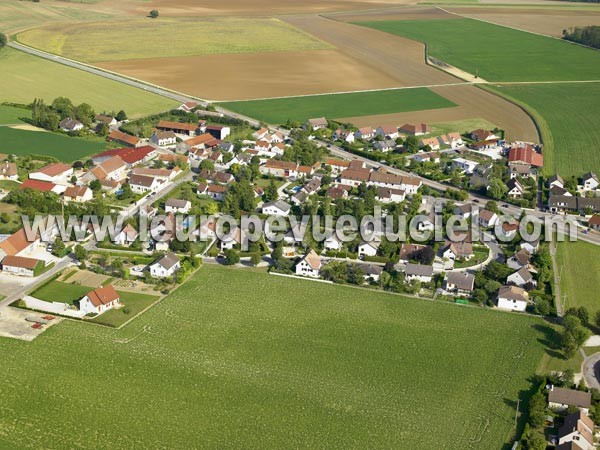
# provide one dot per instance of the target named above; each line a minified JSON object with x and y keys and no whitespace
{"x":154,"y":13}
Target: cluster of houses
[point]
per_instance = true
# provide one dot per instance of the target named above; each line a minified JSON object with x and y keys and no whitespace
{"x":577,"y":430}
{"x":585,"y":201}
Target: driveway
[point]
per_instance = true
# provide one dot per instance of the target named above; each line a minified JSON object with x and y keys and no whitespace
{"x":591,"y":371}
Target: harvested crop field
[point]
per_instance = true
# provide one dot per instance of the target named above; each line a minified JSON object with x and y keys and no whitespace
{"x":257,"y":75}
{"x":227,"y":360}
{"x":539,"y":20}
{"x":301,"y":109}
{"x":115,"y":40}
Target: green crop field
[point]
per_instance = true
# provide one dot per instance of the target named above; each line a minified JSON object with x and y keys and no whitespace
{"x":579,"y":274}
{"x":300,"y":109}
{"x":497,"y":53}
{"x":569,"y":118}
{"x":237,"y":358}
{"x":10,"y":115}
{"x":64,"y":148}
{"x":58,"y":291}
{"x":114,"y":40}
{"x":25,"y":77}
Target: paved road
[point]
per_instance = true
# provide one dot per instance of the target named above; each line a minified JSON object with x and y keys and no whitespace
{"x":591,"y":371}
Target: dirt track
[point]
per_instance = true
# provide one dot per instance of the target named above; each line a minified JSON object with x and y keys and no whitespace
{"x":403,"y":59}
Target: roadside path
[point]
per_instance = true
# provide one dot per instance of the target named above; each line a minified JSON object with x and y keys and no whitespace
{"x":555,"y":270}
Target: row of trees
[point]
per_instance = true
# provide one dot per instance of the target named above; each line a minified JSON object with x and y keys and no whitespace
{"x":589,"y":36}
{"x":49,"y":116}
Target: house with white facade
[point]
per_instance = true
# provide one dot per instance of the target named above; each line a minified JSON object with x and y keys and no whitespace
{"x":276,"y":208}
{"x":100,"y":300}
{"x":309,"y":265}
{"x":166,"y":266}
{"x":512,"y":298}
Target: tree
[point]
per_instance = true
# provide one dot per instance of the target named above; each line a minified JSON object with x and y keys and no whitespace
{"x":58,"y":248}
{"x":492,"y":206}
{"x":80,"y":253}
{"x":256,"y":259}
{"x":95,"y":185}
{"x":411,"y":144}
{"x":271,"y":192}
{"x":232,"y":257}
{"x":207,"y":164}
{"x":121,"y":116}
{"x":84,"y":113}
{"x":154,"y":13}
{"x":497,"y":189}
{"x":3,"y":40}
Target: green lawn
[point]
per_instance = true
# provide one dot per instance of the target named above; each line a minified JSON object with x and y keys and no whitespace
{"x":58,"y":291}
{"x":579,"y":274}
{"x":340,"y":105}
{"x":134,"y":304}
{"x":242,"y":359}
{"x":65,"y":148}
{"x":25,"y":77}
{"x":498,"y":53}
{"x":568,"y":116}
{"x":10,"y":115}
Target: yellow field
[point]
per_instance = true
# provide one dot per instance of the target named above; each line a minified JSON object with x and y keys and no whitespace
{"x":156,"y":38}
{"x":26,"y":77}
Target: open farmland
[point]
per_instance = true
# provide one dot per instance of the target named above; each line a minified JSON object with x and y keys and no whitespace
{"x":64,"y":148}
{"x":569,"y":116}
{"x":10,"y":115}
{"x":115,"y":41}
{"x":496,"y":53}
{"x":25,"y":77}
{"x":321,"y":366}
{"x":340,"y":105}
{"x":580,"y":277}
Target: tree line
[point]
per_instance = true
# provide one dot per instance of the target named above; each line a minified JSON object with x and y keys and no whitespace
{"x":589,"y":36}
{"x":50,"y":116}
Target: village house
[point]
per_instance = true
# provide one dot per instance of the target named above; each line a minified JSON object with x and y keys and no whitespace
{"x":317,"y":124}
{"x":309,"y":265}
{"x":203,"y":142}
{"x":555,"y":180}
{"x":423,"y":157}
{"x":20,"y":265}
{"x":276,"y":208}
{"x":333,"y":242}
{"x":594,"y":222}
{"x":560,"y":399}
{"x":371,"y":272}
{"x":57,"y":173}
{"x":124,"y":139}
{"x":355,"y":177}
{"x":343,"y":135}
{"x":140,"y":184}
{"x":577,"y":432}
{"x":70,"y":125}
{"x":78,"y":194}
{"x":480,"y":135}
{"x":337,"y":166}
{"x":178,"y":206}
{"x":513,"y":298}
{"x":487,"y":218}
{"x":107,"y":120}
{"x":337,"y":192}
{"x":418,"y":272}
{"x":127,"y":236}
{"x":531,"y":246}
{"x":515,"y":189}
{"x":369,"y":248}
{"x":166,"y":266}
{"x":312,"y":187}
{"x":568,"y":203}
{"x":432,"y":143}
{"x":387,"y":145}
{"x":390,"y":195}
{"x":453,"y":140}
{"x":521,"y":278}
{"x":160,"y":174}
{"x":519,"y":260}
{"x":299,"y":198}
{"x":364,"y":133}
{"x":188,"y":106}
{"x":509,"y":230}
{"x":387,"y":132}
{"x":100,"y":300}
{"x":419,"y":129}
{"x":409,"y":252}
{"x":216,"y":176}
{"x":216,"y":192}
{"x":280,"y":169}
{"x":42,"y":186}
{"x":112,"y":169}
{"x":457,"y":250}
{"x":525,"y":153}
{"x":219,"y":132}
{"x":519,"y":169}
{"x":459,"y":283}
{"x":164,"y":138}
{"x":466,"y":165}
{"x":590,"y":182}
{"x":8,"y":171}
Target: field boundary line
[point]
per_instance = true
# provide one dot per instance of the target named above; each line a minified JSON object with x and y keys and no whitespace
{"x":513,"y":28}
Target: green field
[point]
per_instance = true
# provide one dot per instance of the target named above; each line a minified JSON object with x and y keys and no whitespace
{"x":58,"y":291}
{"x":568,"y":116}
{"x":10,"y":115}
{"x":113,"y":41}
{"x":134,"y":304}
{"x":242,"y":359}
{"x":25,"y":77}
{"x":340,"y":105}
{"x":64,"y":148}
{"x":498,"y":53}
{"x":579,"y":274}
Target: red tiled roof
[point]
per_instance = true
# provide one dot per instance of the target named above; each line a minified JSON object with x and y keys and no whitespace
{"x":37,"y":185}
{"x":15,"y":243}
{"x":177,"y":125}
{"x":54,"y":169}
{"x":127,"y":154}
{"x":103,"y":296}
{"x":19,"y":261}
{"x":527,"y":154}
{"x":116,"y":135}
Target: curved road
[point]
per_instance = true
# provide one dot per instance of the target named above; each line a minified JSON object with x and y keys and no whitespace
{"x":591,"y":371}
